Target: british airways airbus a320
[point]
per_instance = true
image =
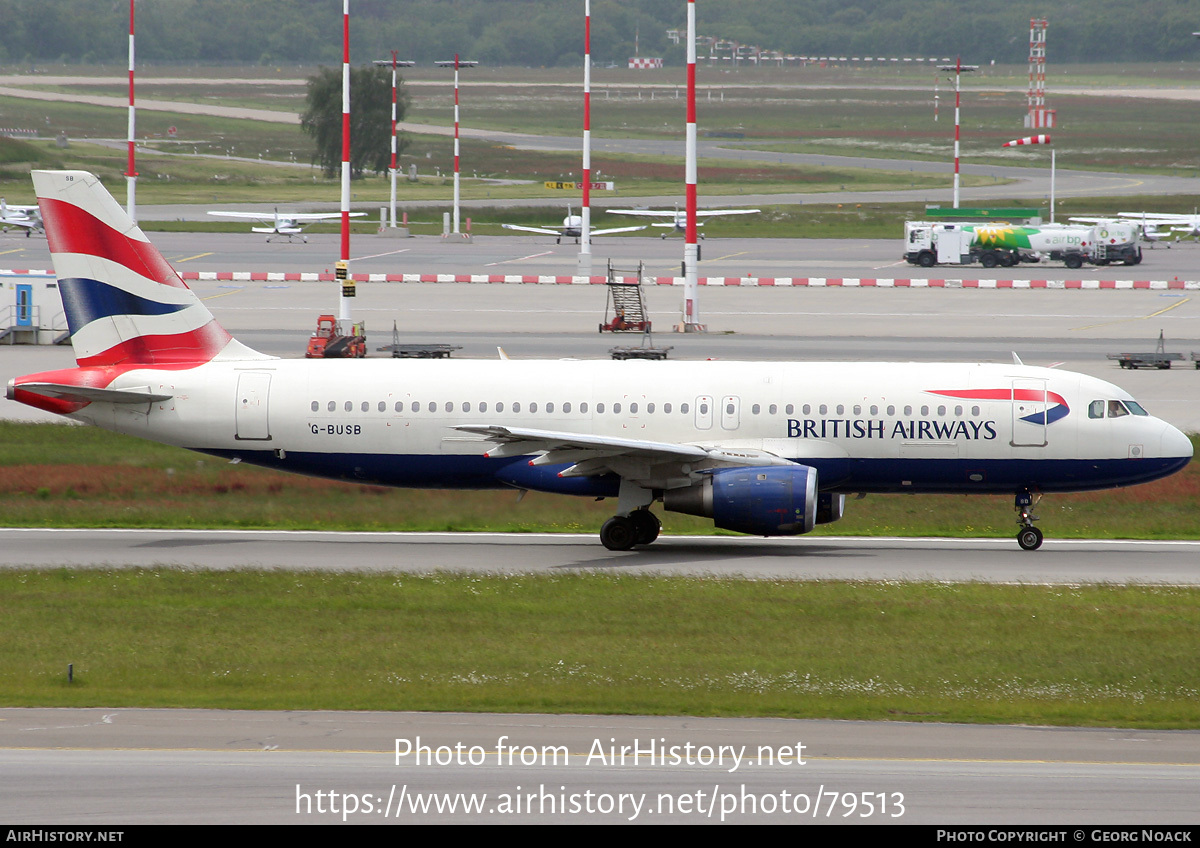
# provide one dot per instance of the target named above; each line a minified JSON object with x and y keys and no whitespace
{"x":766,"y":448}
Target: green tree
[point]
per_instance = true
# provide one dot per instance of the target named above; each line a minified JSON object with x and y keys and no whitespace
{"x":370,"y":119}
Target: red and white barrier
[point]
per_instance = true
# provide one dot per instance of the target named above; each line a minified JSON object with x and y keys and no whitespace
{"x":751,"y":282}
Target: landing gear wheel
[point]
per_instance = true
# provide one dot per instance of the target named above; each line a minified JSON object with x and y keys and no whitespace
{"x":646,"y":526}
{"x":618,"y":534}
{"x":1030,"y":538}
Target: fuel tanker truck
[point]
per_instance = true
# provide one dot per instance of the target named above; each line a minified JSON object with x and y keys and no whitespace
{"x":928,"y":244}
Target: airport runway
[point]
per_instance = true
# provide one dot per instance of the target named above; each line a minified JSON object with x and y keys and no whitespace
{"x":121,"y":767}
{"x":1060,"y":561}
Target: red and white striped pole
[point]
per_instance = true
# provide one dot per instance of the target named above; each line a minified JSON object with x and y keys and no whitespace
{"x":131,"y":171}
{"x":393,"y":168}
{"x":585,"y":230}
{"x":1039,"y":139}
{"x":343,"y":301}
{"x":691,"y":250}
{"x":456,"y":191}
{"x":958,"y":67}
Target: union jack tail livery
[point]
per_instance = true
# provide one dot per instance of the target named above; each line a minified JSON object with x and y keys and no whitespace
{"x":125,"y":305}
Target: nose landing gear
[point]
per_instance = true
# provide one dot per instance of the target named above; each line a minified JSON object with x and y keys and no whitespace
{"x":1028,"y":537}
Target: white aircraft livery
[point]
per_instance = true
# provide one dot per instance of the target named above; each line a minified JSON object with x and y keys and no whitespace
{"x":765,"y":448}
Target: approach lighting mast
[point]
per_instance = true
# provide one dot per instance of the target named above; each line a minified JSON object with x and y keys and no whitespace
{"x":131,"y":173}
{"x":1039,"y":117}
{"x":959,"y":69}
{"x":457,"y":63}
{"x":395,"y":63}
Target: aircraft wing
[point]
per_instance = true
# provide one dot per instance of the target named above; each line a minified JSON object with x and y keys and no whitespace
{"x":271,"y":216}
{"x":253,"y":216}
{"x":1160,"y":217}
{"x":542,"y":230}
{"x":705,"y":213}
{"x":656,"y":464}
{"x":22,"y":221}
{"x":646,"y":213}
{"x":318,"y":216}
{"x":612,"y":230}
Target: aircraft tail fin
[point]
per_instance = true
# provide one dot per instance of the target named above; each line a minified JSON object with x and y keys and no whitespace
{"x":125,"y":304}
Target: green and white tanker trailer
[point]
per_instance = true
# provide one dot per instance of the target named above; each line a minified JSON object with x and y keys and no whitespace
{"x":928,"y":244}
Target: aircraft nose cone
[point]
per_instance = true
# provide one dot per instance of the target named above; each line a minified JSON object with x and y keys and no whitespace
{"x":1174,"y":443}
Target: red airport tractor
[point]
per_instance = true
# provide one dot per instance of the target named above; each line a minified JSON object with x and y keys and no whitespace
{"x":328,"y":342}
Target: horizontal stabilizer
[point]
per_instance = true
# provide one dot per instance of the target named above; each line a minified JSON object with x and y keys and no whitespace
{"x":89,"y":394}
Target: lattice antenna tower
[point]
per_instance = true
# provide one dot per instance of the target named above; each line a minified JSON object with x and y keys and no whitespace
{"x":1039,"y":117}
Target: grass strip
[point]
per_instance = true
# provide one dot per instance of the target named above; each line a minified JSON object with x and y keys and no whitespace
{"x":54,"y":475}
{"x":1106,"y":655}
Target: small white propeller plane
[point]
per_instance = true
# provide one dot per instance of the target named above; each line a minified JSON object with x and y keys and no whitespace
{"x":1182,"y":224}
{"x":290,"y":224}
{"x":678,"y":222}
{"x":28,"y":218}
{"x":1148,"y":231}
{"x":764,"y":448}
{"x":572,"y":227}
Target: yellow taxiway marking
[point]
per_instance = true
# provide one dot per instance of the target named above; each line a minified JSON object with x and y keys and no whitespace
{"x":718,"y":259}
{"x":197,"y":256}
{"x":222,"y":294}
{"x":1136,"y":317}
{"x":14,"y":250}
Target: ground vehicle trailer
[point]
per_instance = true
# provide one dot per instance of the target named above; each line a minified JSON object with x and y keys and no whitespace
{"x":328,"y":342}
{"x":930,"y":243}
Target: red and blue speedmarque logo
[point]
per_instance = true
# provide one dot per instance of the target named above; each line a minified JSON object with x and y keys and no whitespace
{"x":1056,"y":405}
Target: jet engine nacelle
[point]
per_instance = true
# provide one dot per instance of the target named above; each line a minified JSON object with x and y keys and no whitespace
{"x":760,"y":501}
{"x":830,"y":507}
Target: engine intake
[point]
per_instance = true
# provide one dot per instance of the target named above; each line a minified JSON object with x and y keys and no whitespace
{"x":769,"y":501}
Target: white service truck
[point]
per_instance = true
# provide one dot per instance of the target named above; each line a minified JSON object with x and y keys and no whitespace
{"x":931,"y":243}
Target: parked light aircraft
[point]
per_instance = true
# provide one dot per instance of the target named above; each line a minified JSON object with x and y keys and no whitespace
{"x":1148,"y":231}
{"x":26,"y":217}
{"x":572,"y":227}
{"x":765,"y":448}
{"x":678,"y":217}
{"x":290,"y":224}
{"x":1182,"y":224}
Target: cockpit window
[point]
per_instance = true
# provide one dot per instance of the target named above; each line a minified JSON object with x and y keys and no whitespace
{"x":1136,"y":408}
{"x":1116,"y":409}
{"x":1096,"y":409}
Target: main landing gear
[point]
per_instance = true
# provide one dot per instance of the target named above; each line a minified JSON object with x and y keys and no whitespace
{"x":621,"y":533}
{"x":1028,"y":537}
